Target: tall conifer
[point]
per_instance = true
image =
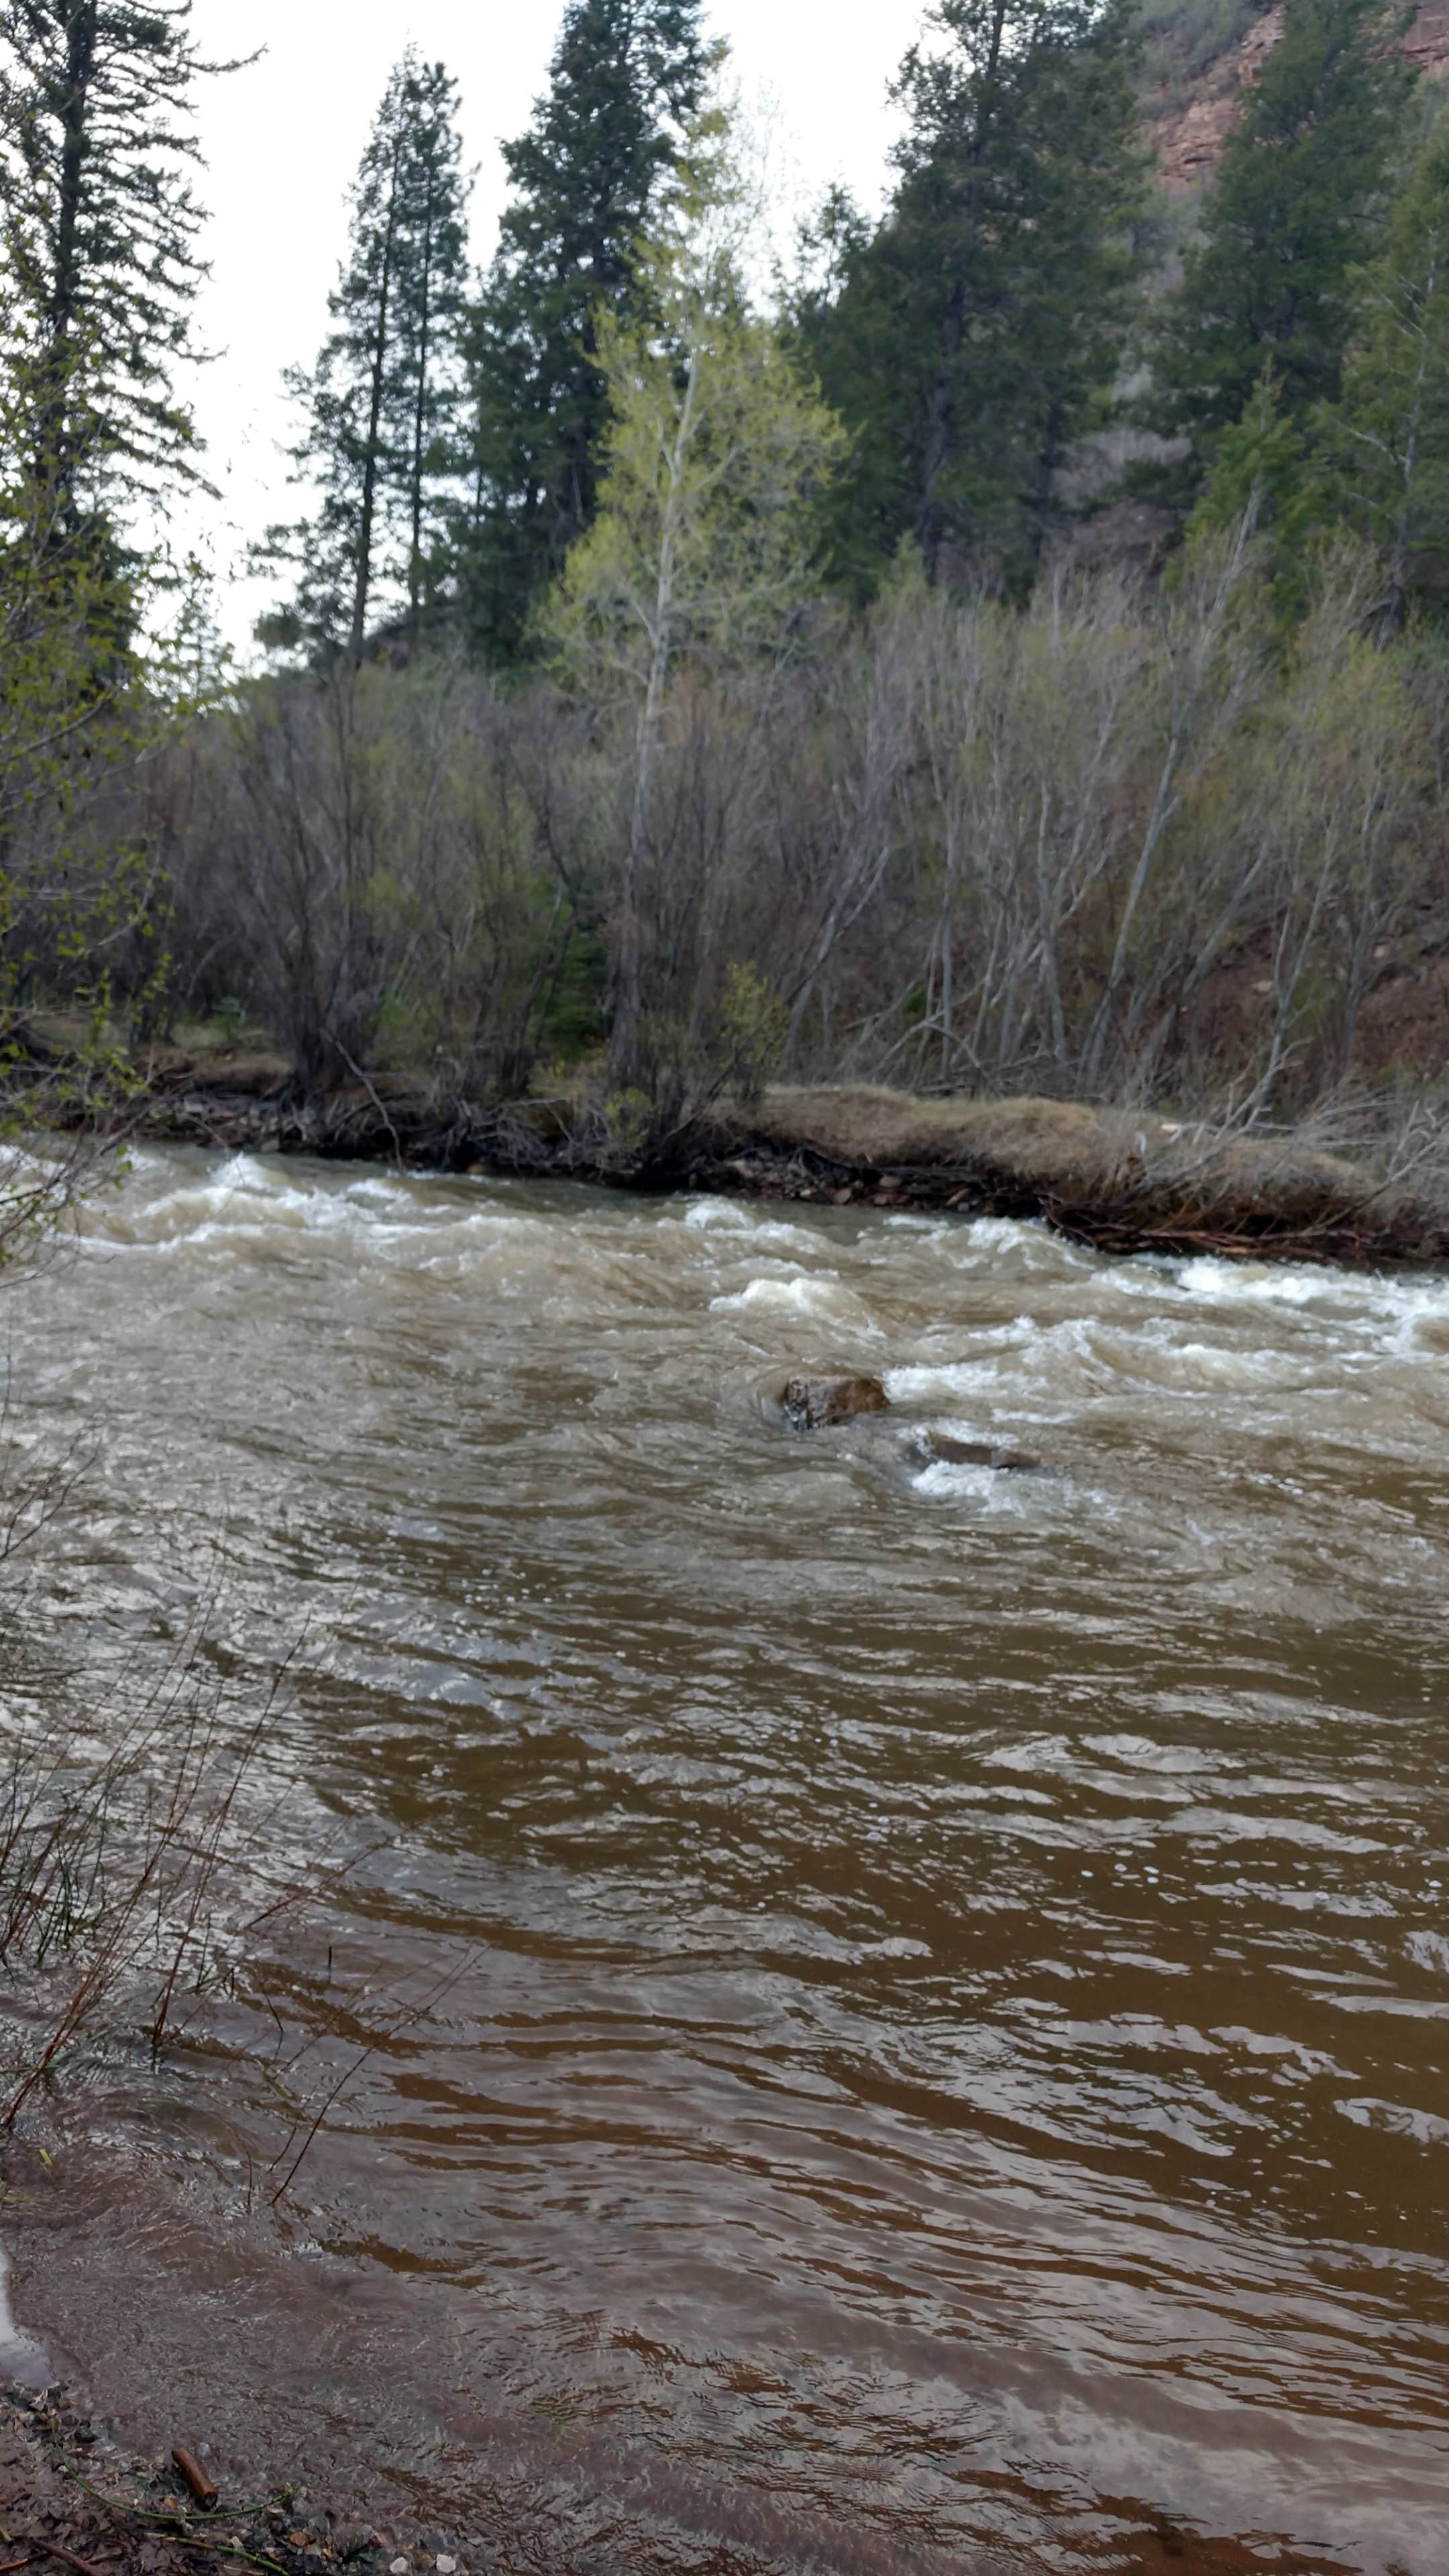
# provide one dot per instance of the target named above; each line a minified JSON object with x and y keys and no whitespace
{"x":1299,"y":202}
{"x":99,"y":225}
{"x":965,"y":337}
{"x":627,"y":78}
{"x":381,"y":404}
{"x":1390,"y":436}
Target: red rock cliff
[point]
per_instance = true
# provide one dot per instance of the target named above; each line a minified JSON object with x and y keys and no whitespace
{"x":1189,"y":132}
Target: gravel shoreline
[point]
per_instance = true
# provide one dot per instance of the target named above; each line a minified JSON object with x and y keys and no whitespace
{"x":72,"y":2497}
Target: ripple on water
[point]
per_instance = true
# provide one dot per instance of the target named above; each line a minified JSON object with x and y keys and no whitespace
{"x":890,"y":1996}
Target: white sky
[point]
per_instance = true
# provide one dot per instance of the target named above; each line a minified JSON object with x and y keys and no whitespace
{"x":282,"y":141}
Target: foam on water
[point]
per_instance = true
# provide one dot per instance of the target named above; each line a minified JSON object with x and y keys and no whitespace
{"x":1063,"y":1359}
{"x":738,"y":1217}
{"x":1378,"y":1300}
{"x":732,"y":1213}
{"x":820,"y":1297}
{"x":945,"y":1481}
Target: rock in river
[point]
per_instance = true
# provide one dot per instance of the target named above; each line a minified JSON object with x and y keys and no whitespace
{"x":942,"y":1449}
{"x":810,"y":1403}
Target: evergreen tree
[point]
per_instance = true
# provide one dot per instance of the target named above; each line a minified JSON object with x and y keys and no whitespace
{"x":1389,"y":439}
{"x":98,"y":273}
{"x":432,"y":306}
{"x":963,"y":341}
{"x":382,"y":402}
{"x":587,"y":179}
{"x":99,"y":223}
{"x":1299,"y":193}
{"x":1265,"y":477}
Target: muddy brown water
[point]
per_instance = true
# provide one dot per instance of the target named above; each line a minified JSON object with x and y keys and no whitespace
{"x":907,"y":2008}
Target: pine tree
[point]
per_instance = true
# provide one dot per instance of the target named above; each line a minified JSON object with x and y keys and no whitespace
{"x":967,"y":335}
{"x":382,"y":402}
{"x":1300,"y":191}
{"x":1389,"y":439}
{"x":432,"y":307}
{"x":587,"y":180}
{"x":98,"y":234}
{"x":99,"y":225}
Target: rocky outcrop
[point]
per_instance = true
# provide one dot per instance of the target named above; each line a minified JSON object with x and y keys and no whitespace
{"x":1188,"y":127}
{"x":1188,"y":131}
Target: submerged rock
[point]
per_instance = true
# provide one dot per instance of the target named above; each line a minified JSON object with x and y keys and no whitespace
{"x":812,"y":1403}
{"x":942,"y":1449}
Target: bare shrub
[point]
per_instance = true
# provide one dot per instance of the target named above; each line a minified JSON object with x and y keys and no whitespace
{"x":956,"y":845}
{"x":135,"y":1866}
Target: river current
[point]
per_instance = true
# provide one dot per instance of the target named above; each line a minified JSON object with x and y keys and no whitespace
{"x":891,"y":2017}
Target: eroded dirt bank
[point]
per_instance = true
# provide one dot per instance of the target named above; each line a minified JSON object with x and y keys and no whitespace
{"x":1117,"y":1180}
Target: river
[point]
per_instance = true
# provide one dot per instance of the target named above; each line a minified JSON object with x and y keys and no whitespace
{"x":906,"y":2007}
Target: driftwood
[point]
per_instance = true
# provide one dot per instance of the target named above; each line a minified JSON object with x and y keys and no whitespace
{"x":202,"y":2487}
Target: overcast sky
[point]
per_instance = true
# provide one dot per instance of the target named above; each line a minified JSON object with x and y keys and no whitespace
{"x":282,"y":141}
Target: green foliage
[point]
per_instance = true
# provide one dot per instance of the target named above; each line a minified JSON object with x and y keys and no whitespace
{"x":1389,"y":437}
{"x":1264,"y":476}
{"x":629,"y":1118}
{"x":1010,"y":842}
{"x":573,"y":1021}
{"x":1182,"y":38}
{"x":99,"y":227}
{"x":703,"y":540}
{"x":83,"y":716}
{"x":753,"y":1024}
{"x":82,"y":906}
{"x":1299,"y":196}
{"x":963,"y":341}
{"x":589,"y":177}
{"x":700,"y":554}
{"x":382,"y":404}
{"x":375,"y":885}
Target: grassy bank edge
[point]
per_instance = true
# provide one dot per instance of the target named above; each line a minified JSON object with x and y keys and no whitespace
{"x":1119,"y":1180}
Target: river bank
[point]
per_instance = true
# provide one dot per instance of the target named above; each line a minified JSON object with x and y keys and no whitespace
{"x":75,"y":2497}
{"x":1118,"y":1181}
